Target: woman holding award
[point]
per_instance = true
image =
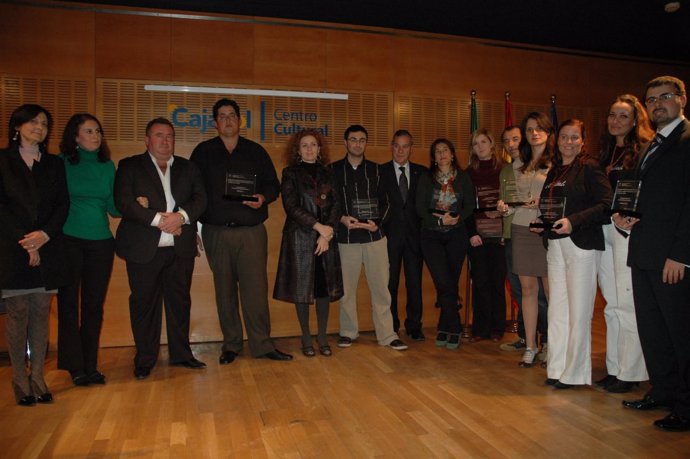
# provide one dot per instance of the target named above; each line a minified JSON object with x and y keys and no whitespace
{"x":627,"y":129}
{"x":445,"y":200}
{"x":309,"y":265}
{"x":487,"y":255}
{"x":529,"y":254}
{"x":574,"y":204}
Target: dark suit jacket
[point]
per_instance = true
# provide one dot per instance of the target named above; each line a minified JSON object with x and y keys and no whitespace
{"x":404,"y":221}
{"x":136,"y":239}
{"x":32,"y":200}
{"x":664,"y":229}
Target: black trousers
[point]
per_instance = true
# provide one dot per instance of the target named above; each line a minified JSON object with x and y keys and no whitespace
{"x":166,"y":279}
{"x":444,"y":253}
{"x":80,"y":304}
{"x":488,"y":271}
{"x":663,"y":322}
{"x":407,"y":255}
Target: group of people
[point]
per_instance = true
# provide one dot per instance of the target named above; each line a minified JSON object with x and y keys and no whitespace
{"x":543,"y":220}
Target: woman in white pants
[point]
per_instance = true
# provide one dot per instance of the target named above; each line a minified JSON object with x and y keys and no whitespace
{"x":575,"y":244}
{"x":628,"y":128}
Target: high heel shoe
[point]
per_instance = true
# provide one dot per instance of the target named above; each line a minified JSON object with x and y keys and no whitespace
{"x":528,"y":358}
{"x":308,"y":351}
{"x":325,"y":350}
{"x":621,"y":387}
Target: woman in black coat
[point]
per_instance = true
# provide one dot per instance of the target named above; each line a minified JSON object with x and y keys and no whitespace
{"x":309,"y":265}
{"x":33,"y":208}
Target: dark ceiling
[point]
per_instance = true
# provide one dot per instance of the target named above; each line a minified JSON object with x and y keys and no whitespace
{"x":635,"y":28}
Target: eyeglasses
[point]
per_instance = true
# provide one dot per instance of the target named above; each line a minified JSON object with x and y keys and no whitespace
{"x":663,"y":97}
{"x":363,"y":140}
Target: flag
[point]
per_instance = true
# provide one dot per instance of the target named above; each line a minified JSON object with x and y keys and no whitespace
{"x":554,"y":114}
{"x":508,"y":110}
{"x":474,"y":119}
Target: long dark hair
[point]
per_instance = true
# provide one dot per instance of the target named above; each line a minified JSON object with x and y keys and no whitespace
{"x":433,"y":167}
{"x":68,"y":145}
{"x":544,"y":123}
{"x":22,"y":115}
{"x":641,"y":133}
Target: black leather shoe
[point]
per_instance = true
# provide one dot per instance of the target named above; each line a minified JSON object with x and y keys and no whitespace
{"x":276,"y":355}
{"x":674,"y":423}
{"x":142,"y":372}
{"x":80,"y":379}
{"x":29,"y":400}
{"x":227,"y":357}
{"x":192,"y":364}
{"x":606,"y":381}
{"x":96,"y":378}
{"x":416,"y":335}
{"x":621,"y":387}
{"x":45,"y":398}
{"x":560,"y":385}
{"x":646,"y":404}
{"x":550,"y":381}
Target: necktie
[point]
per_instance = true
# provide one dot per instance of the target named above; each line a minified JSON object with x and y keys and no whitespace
{"x":658,"y":140}
{"x":402,"y":184}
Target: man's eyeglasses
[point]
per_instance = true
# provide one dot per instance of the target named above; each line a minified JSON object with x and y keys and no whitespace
{"x":663,"y":97}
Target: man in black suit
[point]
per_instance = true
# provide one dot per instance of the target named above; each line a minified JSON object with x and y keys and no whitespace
{"x":160,"y":197}
{"x":399,"y":178}
{"x":659,"y":255}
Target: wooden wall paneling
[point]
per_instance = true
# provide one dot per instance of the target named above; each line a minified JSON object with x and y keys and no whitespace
{"x":360,"y":61}
{"x":212,"y":50}
{"x":131,"y":46}
{"x":290,"y":56}
{"x":38,"y":41}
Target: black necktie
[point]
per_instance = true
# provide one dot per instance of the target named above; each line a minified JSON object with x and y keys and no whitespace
{"x":402,"y":184}
{"x":658,"y":140}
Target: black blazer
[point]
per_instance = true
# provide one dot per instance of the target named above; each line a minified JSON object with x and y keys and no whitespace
{"x":30,"y":200}
{"x":664,"y":229}
{"x":136,"y":176}
{"x":404,"y":221}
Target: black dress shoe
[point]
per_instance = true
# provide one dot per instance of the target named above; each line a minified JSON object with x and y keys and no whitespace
{"x":192,"y":364}
{"x":646,"y":404}
{"x":80,"y":379}
{"x":606,"y":381}
{"x":621,"y":387}
{"x":416,"y":335}
{"x":142,"y":372}
{"x":96,"y":378}
{"x":276,"y":355}
{"x":550,"y":381}
{"x":28,"y":400}
{"x":674,"y":423}
{"x":45,"y":398}
{"x":227,"y":357}
{"x":561,"y":385}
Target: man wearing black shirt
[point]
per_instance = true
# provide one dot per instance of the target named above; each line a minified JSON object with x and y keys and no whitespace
{"x":361,"y":241}
{"x":234,"y":233}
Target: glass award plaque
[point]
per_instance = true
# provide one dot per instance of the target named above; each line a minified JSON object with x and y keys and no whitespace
{"x":510,"y":193}
{"x":552,"y":209}
{"x":364,"y":209}
{"x":240,"y":187}
{"x":486,"y":198}
{"x":442,"y":203}
{"x":625,"y":198}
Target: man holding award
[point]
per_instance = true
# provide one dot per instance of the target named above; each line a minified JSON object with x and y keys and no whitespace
{"x":361,"y":241}
{"x":659,"y":254}
{"x":240,"y":182}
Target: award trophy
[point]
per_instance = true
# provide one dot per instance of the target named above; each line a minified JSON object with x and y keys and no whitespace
{"x":510,"y":193}
{"x":364,"y":209}
{"x":240,"y":187}
{"x":552,"y":209}
{"x":486,"y":198}
{"x":625,"y":198}
{"x":441,"y":205}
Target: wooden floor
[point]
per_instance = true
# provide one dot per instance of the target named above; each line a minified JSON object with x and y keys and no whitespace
{"x":365,"y":401}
